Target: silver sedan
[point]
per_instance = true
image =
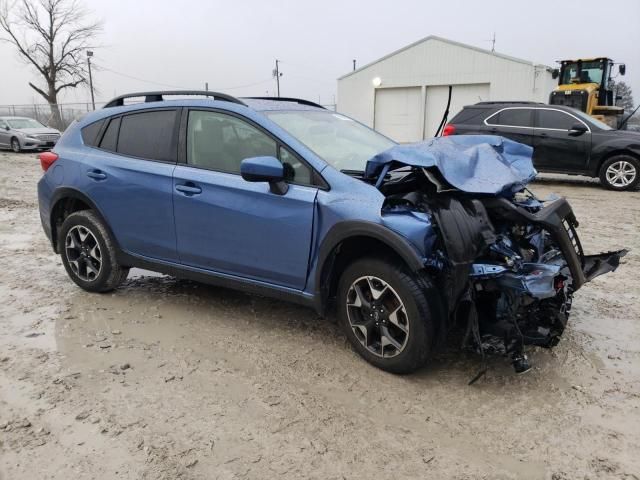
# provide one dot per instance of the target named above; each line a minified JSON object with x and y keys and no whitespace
{"x":22,"y":133}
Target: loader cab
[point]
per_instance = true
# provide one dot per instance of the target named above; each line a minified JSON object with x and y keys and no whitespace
{"x":584,"y":84}
{"x":574,"y":72}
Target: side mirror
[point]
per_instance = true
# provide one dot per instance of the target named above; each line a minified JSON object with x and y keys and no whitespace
{"x":555,"y":73}
{"x":622,"y":68}
{"x":7,"y":128}
{"x":265,"y":169}
{"x":577,"y":130}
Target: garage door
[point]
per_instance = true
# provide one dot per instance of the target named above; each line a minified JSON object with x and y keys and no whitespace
{"x":398,"y":113}
{"x":461,"y":95}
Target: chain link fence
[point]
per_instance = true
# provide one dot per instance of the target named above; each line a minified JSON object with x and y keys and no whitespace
{"x":46,"y":114}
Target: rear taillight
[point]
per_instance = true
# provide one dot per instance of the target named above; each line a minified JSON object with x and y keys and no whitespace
{"x":448,"y":130}
{"x":47,"y":159}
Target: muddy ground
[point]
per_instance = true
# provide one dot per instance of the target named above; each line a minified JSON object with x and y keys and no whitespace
{"x":173,"y":379}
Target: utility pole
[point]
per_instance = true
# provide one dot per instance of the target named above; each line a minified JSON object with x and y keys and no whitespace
{"x":493,"y":42}
{"x":354,"y":63}
{"x":206,"y":86}
{"x":89,"y":55}
{"x":277,"y":74}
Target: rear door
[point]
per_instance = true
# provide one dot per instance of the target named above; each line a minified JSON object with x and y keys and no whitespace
{"x":129,"y":175}
{"x":554,"y":148}
{"x":228,"y":225}
{"x":515,"y":123}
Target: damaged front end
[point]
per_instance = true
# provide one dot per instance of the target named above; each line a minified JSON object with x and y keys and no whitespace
{"x":507,"y":263}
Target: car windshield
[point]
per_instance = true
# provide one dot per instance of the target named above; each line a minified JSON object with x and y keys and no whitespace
{"x":24,"y":123}
{"x":589,"y":118}
{"x":342,"y":142}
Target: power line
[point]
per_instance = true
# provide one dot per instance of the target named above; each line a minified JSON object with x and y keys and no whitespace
{"x":102,"y":67}
{"x":235,"y":87}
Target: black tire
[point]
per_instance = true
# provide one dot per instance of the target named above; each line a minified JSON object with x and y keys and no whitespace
{"x":15,"y":145}
{"x":420,"y":300}
{"x":110,"y":274}
{"x":620,"y":161}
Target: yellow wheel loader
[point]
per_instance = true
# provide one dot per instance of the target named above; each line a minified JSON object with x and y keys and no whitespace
{"x":584,"y":84}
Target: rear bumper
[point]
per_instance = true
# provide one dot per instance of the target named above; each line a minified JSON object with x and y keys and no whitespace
{"x":44,"y":206}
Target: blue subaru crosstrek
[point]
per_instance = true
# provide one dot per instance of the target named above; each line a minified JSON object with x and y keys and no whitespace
{"x":281,"y":197}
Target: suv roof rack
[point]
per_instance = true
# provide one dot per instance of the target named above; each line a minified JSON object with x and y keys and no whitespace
{"x":300,"y":101}
{"x":159,"y":96}
{"x":516,"y":102}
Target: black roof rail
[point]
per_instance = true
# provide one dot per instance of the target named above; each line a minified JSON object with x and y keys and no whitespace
{"x":300,"y":101}
{"x":505,"y":102}
{"x":159,"y":96}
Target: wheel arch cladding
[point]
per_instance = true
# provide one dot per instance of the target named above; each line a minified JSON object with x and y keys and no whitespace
{"x":66,"y":201}
{"x":614,"y":151}
{"x":347,"y":241}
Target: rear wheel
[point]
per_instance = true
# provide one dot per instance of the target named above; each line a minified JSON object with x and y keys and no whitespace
{"x":89,"y":254}
{"x":621,"y":172}
{"x":388,"y":314}
{"x":15,"y":145}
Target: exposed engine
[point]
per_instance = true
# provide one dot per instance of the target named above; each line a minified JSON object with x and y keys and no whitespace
{"x":507,"y":265}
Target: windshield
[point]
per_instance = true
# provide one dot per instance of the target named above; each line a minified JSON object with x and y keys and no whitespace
{"x":591,"y":72}
{"x":24,"y":123}
{"x":342,"y":142}
{"x":589,"y":118}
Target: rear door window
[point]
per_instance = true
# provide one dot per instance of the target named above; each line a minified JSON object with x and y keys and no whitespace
{"x":149,"y":135}
{"x":555,"y":119}
{"x":513,"y":117}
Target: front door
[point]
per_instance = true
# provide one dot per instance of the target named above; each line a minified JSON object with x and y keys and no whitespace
{"x":554,"y":148}
{"x":228,"y":225}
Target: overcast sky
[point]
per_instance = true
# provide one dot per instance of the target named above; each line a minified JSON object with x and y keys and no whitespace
{"x":154,"y":44}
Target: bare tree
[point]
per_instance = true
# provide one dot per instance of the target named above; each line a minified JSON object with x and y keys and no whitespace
{"x":52,"y":36}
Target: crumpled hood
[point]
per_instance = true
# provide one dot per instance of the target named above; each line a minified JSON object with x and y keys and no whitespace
{"x":471,"y":163}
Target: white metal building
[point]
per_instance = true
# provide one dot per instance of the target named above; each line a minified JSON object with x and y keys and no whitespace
{"x":404,"y":94}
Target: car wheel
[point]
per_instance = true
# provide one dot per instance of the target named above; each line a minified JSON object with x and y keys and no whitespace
{"x":621,"y":172}
{"x":388,"y":314}
{"x":89,"y":254}
{"x":15,"y":145}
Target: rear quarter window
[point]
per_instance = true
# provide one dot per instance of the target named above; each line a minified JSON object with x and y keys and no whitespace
{"x":90,"y":133}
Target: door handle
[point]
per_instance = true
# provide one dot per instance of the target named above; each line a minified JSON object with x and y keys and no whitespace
{"x":189,"y":189}
{"x":96,"y":175}
{"x":544,"y":135}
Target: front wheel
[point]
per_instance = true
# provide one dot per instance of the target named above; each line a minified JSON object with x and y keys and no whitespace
{"x":15,"y":145}
{"x":621,"y":172}
{"x":89,"y":254}
{"x":389,"y":315}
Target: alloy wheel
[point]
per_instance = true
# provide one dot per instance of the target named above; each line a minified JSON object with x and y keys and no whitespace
{"x":621,"y":173}
{"x":377,"y":316}
{"x":83,"y":253}
{"x":15,"y":145}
